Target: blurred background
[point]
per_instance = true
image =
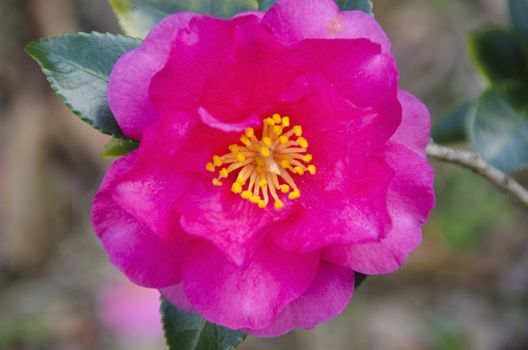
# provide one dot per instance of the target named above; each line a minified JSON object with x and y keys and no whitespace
{"x":465,"y":288}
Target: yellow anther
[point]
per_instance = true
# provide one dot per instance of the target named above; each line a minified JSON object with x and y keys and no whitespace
{"x":217,"y":161}
{"x":247,"y":194}
{"x":294,"y":195}
{"x":245,"y":140}
{"x":236,"y":188}
{"x":298,"y":170}
{"x":269,"y":121}
{"x":266,"y":141}
{"x":250,"y":132}
{"x":285,"y":188}
{"x":240,"y":157}
{"x":265,"y":151}
{"x":265,"y":166}
{"x":234,"y":148}
{"x":302,"y":142}
{"x":285,"y":164}
{"x":297,"y":130}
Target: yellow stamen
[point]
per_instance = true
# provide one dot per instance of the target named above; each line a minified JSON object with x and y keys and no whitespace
{"x":265,"y":169}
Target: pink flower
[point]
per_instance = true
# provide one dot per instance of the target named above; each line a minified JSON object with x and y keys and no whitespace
{"x":277,"y":156}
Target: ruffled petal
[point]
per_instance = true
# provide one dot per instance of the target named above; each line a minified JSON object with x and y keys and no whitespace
{"x":345,"y":201}
{"x":415,"y":126}
{"x":132,"y":247}
{"x":215,"y":67}
{"x":293,"y":21}
{"x":233,"y":225}
{"x":150,"y":189}
{"x":130,"y":79}
{"x":410,"y":199}
{"x":245,"y":297}
{"x":327,"y":297}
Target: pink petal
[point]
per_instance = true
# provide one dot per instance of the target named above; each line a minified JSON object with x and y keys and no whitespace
{"x":250,"y":296}
{"x":134,"y":249}
{"x":150,"y":189}
{"x":293,"y":21}
{"x":416,"y":124}
{"x":216,"y":71}
{"x":233,"y":225}
{"x":345,"y":201}
{"x":327,"y":297}
{"x":130,"y":79}
{"x":410,"y":199}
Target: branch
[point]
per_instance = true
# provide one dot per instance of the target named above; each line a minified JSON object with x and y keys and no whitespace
{"x":478,"y":165}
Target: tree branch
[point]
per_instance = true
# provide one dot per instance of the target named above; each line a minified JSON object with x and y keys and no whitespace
{"x":478,"y":165}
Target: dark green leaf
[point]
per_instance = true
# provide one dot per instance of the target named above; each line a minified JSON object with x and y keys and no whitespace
{"x":500,"y":55}
{"x":136,"y":17}
{"x":361,"y":5}
{"x":264,"y":5}
{"x":77,"y":67}
{"x":119,"y":147}
{"x":359,"y":278}
{"x":519,"y":16}
{"x":451,"y":127}
{"x":498,"y":128}
{"x":189,"y":331}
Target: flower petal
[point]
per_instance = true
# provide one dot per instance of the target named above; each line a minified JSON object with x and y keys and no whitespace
{"x":328,"y":296}
{"x":150,"y":189}
{"x":345,"y":201}
{"x":137,"y":251}
{"x":130,"y":79}
{"x":410,"y":199}
{"x":416,"y":124}
{"x":247,"y":297}
{"x":293,"y":21}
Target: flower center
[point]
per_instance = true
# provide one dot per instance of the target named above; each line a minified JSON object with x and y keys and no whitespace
{"x":264,"y":165}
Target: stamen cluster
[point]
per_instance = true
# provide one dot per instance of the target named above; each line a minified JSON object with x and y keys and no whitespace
{"x":264,"y":165}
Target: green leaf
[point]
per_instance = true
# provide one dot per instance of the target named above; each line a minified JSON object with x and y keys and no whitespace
{"x":137,"y":17}
{"x":498,"y":128}
{"x":359,"y":278}
{"x":361,"y":5}
{"x":500,"y":55}
{"x":119,"y":147}
{"x":189,"y":331}
{"x":451,"y":127}
{"x":519,"y":16}
{"x":77,"y":67}
{"x":264,"y":5}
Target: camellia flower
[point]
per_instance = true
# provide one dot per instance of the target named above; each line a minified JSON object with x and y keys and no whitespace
{"x":277,"y":157}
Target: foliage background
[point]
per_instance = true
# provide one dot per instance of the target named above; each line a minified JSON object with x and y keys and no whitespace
{"x":465,"y":288}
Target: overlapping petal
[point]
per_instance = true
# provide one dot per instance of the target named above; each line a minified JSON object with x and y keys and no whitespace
{"x":137,"y":251}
